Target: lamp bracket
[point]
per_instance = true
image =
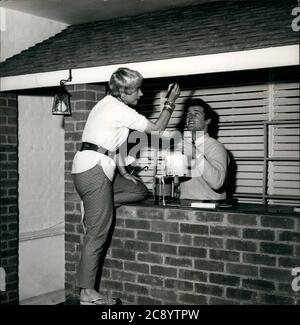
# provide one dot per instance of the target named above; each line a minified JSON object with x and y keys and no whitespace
{"x":62,"y":82}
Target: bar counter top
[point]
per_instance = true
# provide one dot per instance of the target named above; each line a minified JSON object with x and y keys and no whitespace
{"x":234,"y":207}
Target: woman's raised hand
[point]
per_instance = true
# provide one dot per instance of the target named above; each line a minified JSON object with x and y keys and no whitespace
{"x":173,"y":92}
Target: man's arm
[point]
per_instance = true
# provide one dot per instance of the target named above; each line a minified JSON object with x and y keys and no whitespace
{"x":213,"y":166}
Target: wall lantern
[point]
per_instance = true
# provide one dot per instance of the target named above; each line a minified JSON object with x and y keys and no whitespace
{"x":61,"y":102}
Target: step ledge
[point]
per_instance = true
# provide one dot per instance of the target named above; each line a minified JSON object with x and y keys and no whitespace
{"x":44,"y":233}
{"x":50,"y":298}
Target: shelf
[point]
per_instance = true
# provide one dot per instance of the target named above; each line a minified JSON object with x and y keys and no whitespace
{"x":282,"y":159}
{"x":281,"y":122}
{"x":283,"y":197}
{"x":249,"y":159}
{"x":248,"y":195}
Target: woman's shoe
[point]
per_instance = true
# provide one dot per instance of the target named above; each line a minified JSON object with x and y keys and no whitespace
{"x":104,"y":301}
{"x":118,"y":301}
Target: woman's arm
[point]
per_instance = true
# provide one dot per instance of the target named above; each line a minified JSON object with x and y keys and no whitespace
{"x":120,"y":161}
{"x":164,"y":117}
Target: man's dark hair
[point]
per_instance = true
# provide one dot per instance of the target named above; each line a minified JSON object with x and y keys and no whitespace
{"x":208,"y":112}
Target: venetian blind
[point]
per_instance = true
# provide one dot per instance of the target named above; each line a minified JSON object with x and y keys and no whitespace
{"x":284,"y":176}
{"x":242,"y":104}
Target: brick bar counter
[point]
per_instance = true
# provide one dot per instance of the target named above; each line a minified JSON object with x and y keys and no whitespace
{"x":162,"y":255}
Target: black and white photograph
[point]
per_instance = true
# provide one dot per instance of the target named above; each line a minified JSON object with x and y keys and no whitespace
{"x":184,"y":115}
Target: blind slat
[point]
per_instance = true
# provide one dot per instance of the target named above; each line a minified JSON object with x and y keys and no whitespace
{"x":248,"y":140}
{"x":286,"y":93}
{"x":286,"y":85}
{"x":286,"y":101}
{"x":287,"y":116}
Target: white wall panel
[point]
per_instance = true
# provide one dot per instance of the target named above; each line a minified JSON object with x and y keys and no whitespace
{"x":41,"y":196}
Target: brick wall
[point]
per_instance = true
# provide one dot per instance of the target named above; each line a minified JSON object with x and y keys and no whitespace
{"x":84,"y":97}
{"x":170,"y":256}
{"x":9,"y":196}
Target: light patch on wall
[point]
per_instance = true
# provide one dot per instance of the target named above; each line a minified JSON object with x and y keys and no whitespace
{"x":23,"y":31}
{"x":2,"y":279}
{"x":2,"y":20}
{"x":41,"y":197}
{"x":41,"y":164}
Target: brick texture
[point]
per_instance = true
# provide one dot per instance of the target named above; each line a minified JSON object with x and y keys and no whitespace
{"x":9,"y":220}
{"x":83,"y":98}
{"x":254,"y":267}
{"x":207,"y":28}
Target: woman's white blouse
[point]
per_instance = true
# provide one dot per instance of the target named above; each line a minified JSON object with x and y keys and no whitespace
{"x":107,"y":126}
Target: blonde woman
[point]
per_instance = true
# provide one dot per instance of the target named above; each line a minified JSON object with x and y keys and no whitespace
{"x":93,"y":169}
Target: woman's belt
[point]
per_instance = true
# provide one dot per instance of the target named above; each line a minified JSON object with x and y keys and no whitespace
{"x":95,"y":147}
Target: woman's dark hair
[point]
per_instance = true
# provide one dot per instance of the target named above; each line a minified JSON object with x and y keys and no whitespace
{"x":208,"y":112}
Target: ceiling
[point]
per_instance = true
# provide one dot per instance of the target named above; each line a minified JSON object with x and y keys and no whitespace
{"x":82,"y":11}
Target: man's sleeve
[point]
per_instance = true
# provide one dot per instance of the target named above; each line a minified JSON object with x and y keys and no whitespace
{"x":215,"y":166}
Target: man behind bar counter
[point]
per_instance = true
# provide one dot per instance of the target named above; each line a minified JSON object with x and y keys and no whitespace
{"x":209,"y":161}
